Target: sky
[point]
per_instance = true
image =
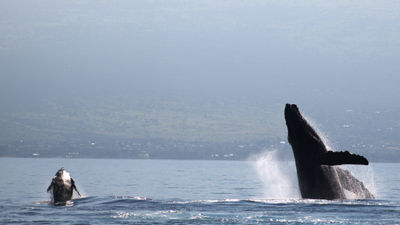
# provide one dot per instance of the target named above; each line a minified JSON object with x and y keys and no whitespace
{"x":341,"y":53}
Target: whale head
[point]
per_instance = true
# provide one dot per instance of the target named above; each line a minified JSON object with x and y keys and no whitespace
{"x":64,"y":176}
{"x":295,"y":121}
{"x":293,"y":116}
{"x":300,"y":132}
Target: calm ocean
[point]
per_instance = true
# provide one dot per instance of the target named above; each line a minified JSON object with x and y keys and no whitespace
{"x":263,"y":191}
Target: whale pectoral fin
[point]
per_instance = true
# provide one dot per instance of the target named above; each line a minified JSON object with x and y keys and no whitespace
{"x":74,"y":187}
{"x":338,"y":158}
{"x":51,"y":185}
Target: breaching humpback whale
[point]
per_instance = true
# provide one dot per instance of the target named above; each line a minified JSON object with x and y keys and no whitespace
{"x":316,"y":172}
{"x":62,"y":187}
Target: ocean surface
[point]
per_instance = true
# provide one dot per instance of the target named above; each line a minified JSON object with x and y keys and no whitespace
{"x":122,"y":191}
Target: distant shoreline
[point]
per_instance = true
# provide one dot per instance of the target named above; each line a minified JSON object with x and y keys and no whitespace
{"x":172,"y":159}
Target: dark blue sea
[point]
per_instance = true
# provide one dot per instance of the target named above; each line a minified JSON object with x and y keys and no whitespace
{"x":258,"y":191}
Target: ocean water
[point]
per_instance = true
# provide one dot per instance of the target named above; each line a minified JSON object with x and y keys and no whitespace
{"x":118,"y":191}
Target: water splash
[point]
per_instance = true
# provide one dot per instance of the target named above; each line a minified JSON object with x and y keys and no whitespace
{"x":365,"y":174}
{"x":280,"y":180}
{"x":278,"y":177}
{"x":324,"y":137}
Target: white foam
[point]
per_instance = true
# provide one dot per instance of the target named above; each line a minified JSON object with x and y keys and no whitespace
{"x":66,"y":177}
{"x":364,"y":174}
{"x":197,"y":217}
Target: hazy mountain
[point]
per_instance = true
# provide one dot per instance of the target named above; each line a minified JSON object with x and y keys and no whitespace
{"x":195,"y":79}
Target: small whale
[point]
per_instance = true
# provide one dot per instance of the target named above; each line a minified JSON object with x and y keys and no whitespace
{"x":62,"y":187}
{"x":318,"y":176}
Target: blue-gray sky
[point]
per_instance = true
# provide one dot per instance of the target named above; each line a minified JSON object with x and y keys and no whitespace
{"x":297,"y":51}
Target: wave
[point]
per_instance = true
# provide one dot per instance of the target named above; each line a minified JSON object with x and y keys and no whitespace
{"x":138,"y":200}
{"x":144,"y":210}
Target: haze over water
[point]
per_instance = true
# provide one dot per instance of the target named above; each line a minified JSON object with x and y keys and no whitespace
{"x":193,"y":80}
{"x":182,"y":75}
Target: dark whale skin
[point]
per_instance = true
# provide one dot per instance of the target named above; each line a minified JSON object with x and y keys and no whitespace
{"x":62,"y":187}
{"x":317,"y":175}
